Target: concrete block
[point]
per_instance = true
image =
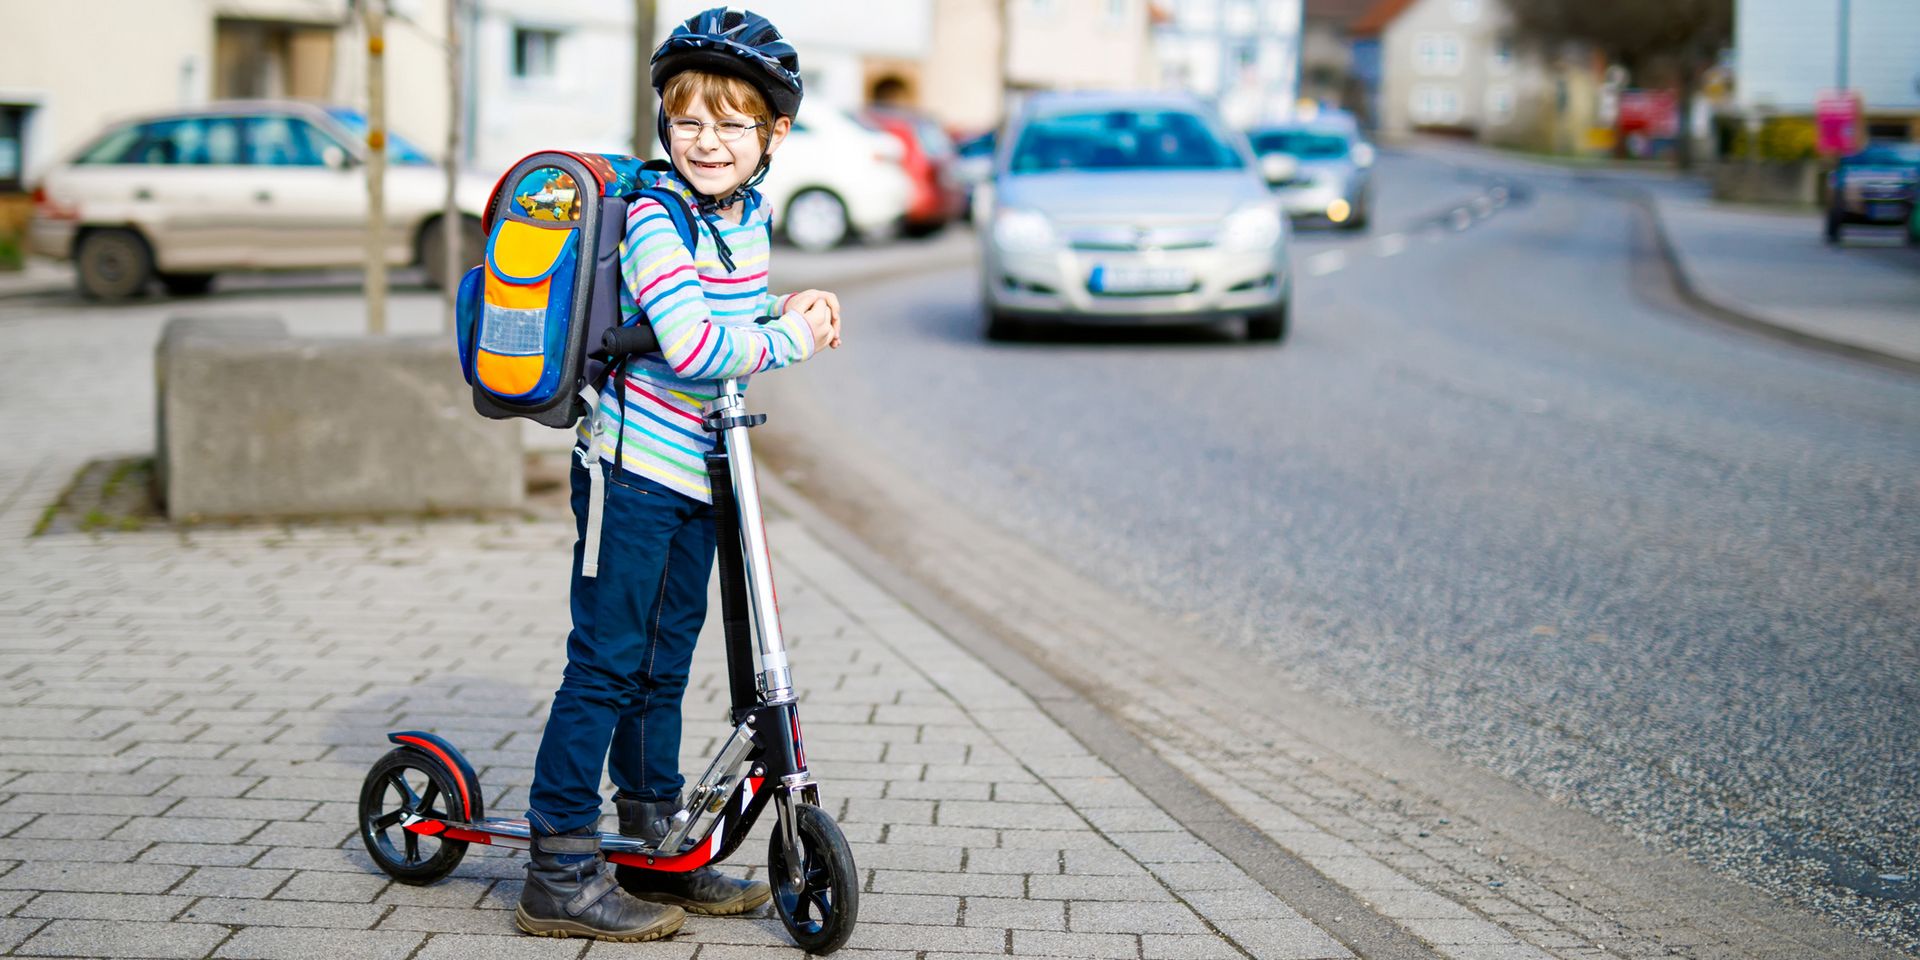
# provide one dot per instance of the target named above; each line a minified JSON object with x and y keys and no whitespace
{"x":256,"y":423}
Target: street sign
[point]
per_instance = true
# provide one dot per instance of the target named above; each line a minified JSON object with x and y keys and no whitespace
{"x":1836,"y":122}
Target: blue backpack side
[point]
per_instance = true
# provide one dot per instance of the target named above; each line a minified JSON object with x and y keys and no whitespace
{"x":531,"y":318}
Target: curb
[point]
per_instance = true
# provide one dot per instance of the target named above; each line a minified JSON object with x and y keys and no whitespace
{"x":1690,"y":294}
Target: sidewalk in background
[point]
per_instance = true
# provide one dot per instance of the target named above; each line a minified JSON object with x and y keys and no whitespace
{"x":1763,"y":268}
{"x":40,"y":276}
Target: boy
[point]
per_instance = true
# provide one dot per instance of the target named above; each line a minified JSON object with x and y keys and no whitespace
{"x":729,"y":87}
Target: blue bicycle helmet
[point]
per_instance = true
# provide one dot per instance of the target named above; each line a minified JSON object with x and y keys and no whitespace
{"x":736,"y":43}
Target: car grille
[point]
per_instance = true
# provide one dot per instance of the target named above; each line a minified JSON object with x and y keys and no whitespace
{"x":1141,"y":238}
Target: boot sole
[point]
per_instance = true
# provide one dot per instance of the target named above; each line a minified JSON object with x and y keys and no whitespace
{"x":725,"y":908}
{"x":569,"y":928}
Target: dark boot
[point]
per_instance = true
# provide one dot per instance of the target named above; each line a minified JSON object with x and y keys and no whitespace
{"x":579,"y":899}
{"x":706,"y":890}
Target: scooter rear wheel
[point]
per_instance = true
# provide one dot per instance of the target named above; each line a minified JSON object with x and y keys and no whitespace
{"x":403,"y":786}
{"x":819,"y":913}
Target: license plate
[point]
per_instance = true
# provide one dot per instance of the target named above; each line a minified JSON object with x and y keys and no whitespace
{"x":1140,"y":280}
{"x":1885,"y":211}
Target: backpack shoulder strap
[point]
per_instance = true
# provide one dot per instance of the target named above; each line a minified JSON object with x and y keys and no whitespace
{"x":677,"y":211}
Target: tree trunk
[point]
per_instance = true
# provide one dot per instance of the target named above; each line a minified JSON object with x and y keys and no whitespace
{"x":643,"y":109}
{"x":373,"y":14}
{"x":451,"y":225}
{"x":1683,"y":127}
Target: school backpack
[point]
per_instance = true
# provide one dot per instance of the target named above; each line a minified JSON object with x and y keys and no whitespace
{"x":531,"y":321}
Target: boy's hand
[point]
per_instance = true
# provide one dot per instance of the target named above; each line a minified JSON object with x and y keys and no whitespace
{"x":807,"y":298}
{"x":820,"y":320}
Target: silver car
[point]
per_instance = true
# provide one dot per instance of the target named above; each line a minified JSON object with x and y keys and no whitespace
{"x":1130,"y":209}
{"x":246,"y":185}
{"x":1325,"y":175}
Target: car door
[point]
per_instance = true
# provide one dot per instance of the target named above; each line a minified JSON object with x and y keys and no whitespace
{"x":307,"y":200}
{"x":162,"y":177}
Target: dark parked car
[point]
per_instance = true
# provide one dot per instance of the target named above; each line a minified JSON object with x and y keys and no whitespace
{"x":1875,"y":186}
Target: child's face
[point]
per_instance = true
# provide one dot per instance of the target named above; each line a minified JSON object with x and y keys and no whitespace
{"x":714,"y":166}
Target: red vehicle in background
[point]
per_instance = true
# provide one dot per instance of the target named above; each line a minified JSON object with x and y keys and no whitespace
{"x":937,"y":196}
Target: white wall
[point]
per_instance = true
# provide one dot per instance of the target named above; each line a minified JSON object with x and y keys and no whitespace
{"x":833,"y":37}
{"x":585,"y":105}
{"x":1787,"y":52}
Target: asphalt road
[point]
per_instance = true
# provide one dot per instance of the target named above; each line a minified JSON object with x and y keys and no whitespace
{"x":1501,"y":488}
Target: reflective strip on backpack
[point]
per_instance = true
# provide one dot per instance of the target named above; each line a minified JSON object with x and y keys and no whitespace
{"x":597,"y":489}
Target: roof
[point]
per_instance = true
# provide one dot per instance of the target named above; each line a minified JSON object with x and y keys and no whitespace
{"x":1338,"y":12}
{"x":1378,"y":16}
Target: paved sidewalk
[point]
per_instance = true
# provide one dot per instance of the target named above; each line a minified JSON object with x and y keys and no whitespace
{"x":1762,"y":267}
{"x":1774,"y":266}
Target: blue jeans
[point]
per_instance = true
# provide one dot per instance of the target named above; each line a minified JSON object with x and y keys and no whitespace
{"x":634,"y":627}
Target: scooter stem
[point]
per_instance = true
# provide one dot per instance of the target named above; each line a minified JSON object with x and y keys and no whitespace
{"x":728,"y":413}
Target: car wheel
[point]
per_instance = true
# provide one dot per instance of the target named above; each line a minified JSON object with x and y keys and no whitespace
{"x":816,"y":220}
{"x":1270,"y":325}
{"x":187,"y":284}
{"x":1000,"y":326}
{"x":433,"y":251}
{"x":112,"y":265}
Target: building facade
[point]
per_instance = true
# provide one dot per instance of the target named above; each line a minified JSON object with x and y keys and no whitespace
{"x":1789,"y":52}
{"x":1243,"y":53}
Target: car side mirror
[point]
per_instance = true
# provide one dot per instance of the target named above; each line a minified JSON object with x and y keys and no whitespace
{"x":336,"y":158}
{"x":1279,"y":167}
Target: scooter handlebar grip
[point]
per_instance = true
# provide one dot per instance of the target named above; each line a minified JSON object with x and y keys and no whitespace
{"x":628,"y":341}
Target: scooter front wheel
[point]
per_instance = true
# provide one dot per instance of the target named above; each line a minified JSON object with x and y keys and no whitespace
{"x":819,"y":911}
{"x":404,"y":787}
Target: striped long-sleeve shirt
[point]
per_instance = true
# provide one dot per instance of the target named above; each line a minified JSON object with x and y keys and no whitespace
{"x":703,"y":315}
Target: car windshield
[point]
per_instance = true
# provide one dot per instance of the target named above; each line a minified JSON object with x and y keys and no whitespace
{"x":1305,"y":144}
{"x":1123,"y":140}
{"x":398,"y":149}
{"x":1903,"y":154}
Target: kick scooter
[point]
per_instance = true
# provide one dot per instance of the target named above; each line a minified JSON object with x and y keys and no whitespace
{"x":421,"y":804}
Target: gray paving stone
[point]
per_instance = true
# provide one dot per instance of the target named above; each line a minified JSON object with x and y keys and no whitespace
{"x":92,"y":877}
{"x":939,"y":836}
{"x":78,"y":826}
{"x":187,"y":829}
{"x":122,"y":938}
{"x":281,"y":833}
{"x":517,"y":946}
{"x":280,"y":943}
{"x":906,"y":856}
{"x":90,"y":784}
{"x":13,"y":931}
{"x":1212,"y":946}
{"x":104,"y":906}
{"x":1047,"y":943}
{"x":1298,"y":939}
{"x":1475,"y":931}
{"x":1009,"y":816}
{"x":1104,"y":863}
{"x":233,"y":882}
{"x":1013,"y":860}
{"x":1096,"y":889}
{"x":961,"y":885}
{"x":1201,"y":876}
{"x":121,"y":806}
{"x":442,"y":919}
{"x":661,"y":950}
{"x":1494,"y":951}
{"x":909,"y":908}
{"x":1166,"y":848}
{"x":284,"y":913}
{"x":1250,"y":903}
{"x":455,"y":891}
{"x":333,"y":886}
{"x":910,"y":937}
{"x":1416,"y":903}
{"x":1133,"y":917}
{"x":1008,"y":913}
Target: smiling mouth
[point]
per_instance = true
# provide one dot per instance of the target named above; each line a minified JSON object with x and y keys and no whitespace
{"x":704,"y":165}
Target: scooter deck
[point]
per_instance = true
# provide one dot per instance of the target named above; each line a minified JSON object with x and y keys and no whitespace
{"x":514,"y":833}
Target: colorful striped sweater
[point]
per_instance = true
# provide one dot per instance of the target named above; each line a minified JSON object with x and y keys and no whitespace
{"x":704,"y":317}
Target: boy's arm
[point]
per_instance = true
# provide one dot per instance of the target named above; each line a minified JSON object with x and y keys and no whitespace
{"x":665,"y":284}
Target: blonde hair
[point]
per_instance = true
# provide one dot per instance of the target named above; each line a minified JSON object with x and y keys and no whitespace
{"x":720,"y":93}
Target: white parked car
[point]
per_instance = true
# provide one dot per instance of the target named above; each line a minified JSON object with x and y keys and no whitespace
{"x":835,"y":177}
{"x":247,"y":185}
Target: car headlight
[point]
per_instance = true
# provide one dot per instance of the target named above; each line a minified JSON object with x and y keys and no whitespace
{"x":1023,"y":231}
{"x":1256,"y":228}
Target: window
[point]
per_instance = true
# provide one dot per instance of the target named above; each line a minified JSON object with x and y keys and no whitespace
{"x":535,"y":52}
{"x":1435,"y":104}
{"x":208,"y":141}
{"x":1123,"y":140}
{"x":1502,"y":56}
{"x":282,"y":141}
{"x":13,"y":139}
{"x":1449,"y":53}
{"x":1499,"y":104}
{"x":1438,"y":53}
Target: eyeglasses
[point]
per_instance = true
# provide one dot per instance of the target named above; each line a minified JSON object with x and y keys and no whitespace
{"x":728,"y":131}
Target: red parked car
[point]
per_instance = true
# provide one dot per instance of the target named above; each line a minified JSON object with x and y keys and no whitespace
{"x":937,"y":196}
